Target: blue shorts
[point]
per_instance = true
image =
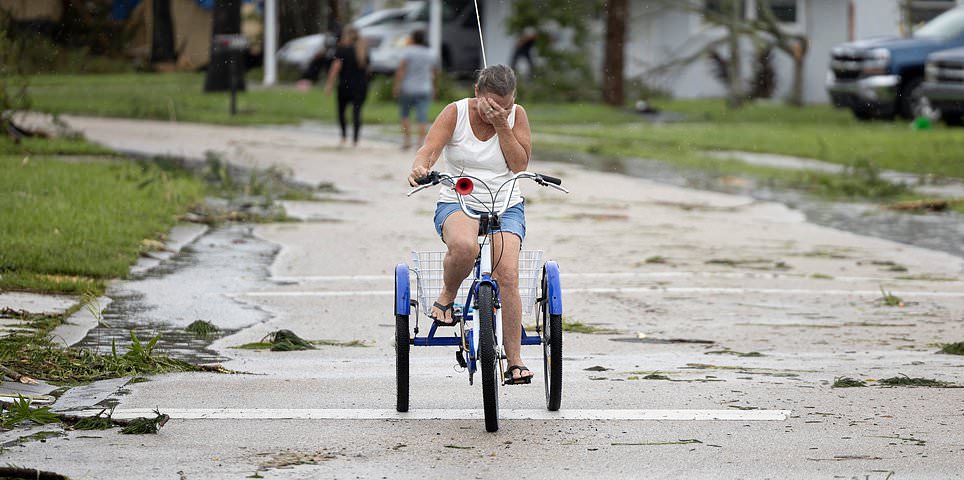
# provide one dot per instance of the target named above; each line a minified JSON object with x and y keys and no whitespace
{"x":419,"y":102}
{"x":512,"y":221}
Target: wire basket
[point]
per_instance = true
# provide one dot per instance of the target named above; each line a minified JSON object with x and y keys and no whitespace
{"x":428,"y":272}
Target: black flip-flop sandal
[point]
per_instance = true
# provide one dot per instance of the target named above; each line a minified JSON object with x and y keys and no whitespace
{"x":522,"y":380}
{"x":444,"y":308}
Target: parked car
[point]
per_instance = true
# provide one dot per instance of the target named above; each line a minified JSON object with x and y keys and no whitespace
{"x":461,"y":51}
{"x":944,"y":85}
{"x":300,"y":52}
{"x":879,"y":78}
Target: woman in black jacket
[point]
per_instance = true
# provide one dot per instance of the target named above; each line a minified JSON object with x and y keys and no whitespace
{"x":350,"y":66}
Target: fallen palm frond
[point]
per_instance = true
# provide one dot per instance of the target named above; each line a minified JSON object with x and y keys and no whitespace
{"x":905,"y":381}
{"x":952,"y":348}
{"x":19,"y":411}
{"x":847,"y":382}
{"x":140,"y":426}
{"x":202,"y":328}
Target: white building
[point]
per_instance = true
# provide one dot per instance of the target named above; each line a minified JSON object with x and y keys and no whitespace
{"x":658,"y":35}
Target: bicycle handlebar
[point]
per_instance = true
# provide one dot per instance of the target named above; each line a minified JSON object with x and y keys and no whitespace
{"x":552,"y":180}
{"x":434,"y":178}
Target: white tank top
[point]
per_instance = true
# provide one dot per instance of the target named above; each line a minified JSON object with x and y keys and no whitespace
{"x":465,"y":154}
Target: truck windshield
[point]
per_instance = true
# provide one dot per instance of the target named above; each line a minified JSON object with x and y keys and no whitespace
{"x":946,"y":26}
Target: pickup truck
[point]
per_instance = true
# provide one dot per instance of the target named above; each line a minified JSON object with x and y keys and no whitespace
{"x":944,"y":85}
{"x":880,"y":78}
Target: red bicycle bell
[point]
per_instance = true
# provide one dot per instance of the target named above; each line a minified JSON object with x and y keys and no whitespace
{"x":464,"y":186}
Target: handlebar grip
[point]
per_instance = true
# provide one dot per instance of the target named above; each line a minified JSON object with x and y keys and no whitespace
{"x":552,"y":180}
{"x":432,"y":177}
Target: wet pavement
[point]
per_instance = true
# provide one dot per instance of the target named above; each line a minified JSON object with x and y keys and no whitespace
{"x":664,"y":268}
{"x":191,"y":285}
{"x":942,"y":231}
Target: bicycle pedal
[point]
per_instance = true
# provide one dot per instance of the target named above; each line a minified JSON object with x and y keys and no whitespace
{"x":460,"y":359}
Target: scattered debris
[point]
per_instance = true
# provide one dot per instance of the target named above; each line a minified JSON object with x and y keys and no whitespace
{"x":952,"y":348}
{"x":644,"y":338}
{"x":19,"y":412}
{"x":459,"y":447}
{"x":733,"y":352}
{"x":891,"y":300}
{"x":654,"y":376}
{"x":847,"y":382}
{"x":202,"y":328}
{"x":97,"y":422}
{"x":286,"y":340}
{"x":678,"y":442}
{"x":577,"y":327}
{"x":141,"y":425}
{"x":31,"y":473}
{"x":905,"y":381}
{"x":656,"y":259}
{"x":924,"y":205}
{"x":597,"y":368}
{"x":292,"y":458}
{"x":753,"y":263}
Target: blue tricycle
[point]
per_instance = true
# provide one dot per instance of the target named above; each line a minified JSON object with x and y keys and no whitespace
{"x":479,"y":317}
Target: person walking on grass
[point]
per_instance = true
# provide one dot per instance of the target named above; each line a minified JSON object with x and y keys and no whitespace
{"x":414,"y":86}
{"x":350,"y":68}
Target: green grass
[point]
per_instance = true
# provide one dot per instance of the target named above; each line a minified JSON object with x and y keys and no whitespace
{"x":817,"y":131}
{"x":178,"y":96}
{"x":888,"y":146}
{"x":69,"y":224}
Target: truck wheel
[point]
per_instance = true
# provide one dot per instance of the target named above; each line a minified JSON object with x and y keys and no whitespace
{"x":909,"y":100}
{"x":863,"y":115}
{"x":953,"y":120}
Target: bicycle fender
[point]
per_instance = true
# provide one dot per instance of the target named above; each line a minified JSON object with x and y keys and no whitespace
{"x":403,"y":304}
{"x":554,"y":288}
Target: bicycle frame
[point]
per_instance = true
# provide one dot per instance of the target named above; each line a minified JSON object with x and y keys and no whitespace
{"x":482,"y":274}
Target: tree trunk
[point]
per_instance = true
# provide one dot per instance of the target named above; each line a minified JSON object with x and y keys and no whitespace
{"x":614,"y":63}
{"x":162,"y":35}
{"x":735,"y":97}
{"x":799,"y":55}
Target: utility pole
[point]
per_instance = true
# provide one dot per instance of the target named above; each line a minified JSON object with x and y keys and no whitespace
{"x":435,"y":29}
{"x":270,"y":42}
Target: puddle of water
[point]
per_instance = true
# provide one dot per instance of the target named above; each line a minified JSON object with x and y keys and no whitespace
{"x":936,"y":231}
{"x":190,"y":286}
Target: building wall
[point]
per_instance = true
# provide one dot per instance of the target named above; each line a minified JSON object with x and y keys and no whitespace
{"x":876,"y":18}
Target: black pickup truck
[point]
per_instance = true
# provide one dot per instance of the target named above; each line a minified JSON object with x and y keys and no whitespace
{"x":879,"y":78}
{"x":944,"y":85}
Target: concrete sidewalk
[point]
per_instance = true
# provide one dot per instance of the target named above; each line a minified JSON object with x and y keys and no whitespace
{"x":685,"y":280}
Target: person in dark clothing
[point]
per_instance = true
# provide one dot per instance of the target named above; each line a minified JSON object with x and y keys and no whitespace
{"x":350,"y":68}
{"x":523,"y":49}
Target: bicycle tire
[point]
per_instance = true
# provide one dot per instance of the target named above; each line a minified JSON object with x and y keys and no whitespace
{"x":402,"y":347}
{"x":489,"y":367}
{"x":551,"y":351}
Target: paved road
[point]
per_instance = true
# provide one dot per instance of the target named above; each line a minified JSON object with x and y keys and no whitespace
{"x":743,"y":275}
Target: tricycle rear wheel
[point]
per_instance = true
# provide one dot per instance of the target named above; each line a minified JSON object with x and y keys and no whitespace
{"x":402,"y":346}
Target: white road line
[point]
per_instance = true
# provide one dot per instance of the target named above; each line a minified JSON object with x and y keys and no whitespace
{"x":644,"y":290}
{"x":445,"y":414}
{"x":667,"y":274}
